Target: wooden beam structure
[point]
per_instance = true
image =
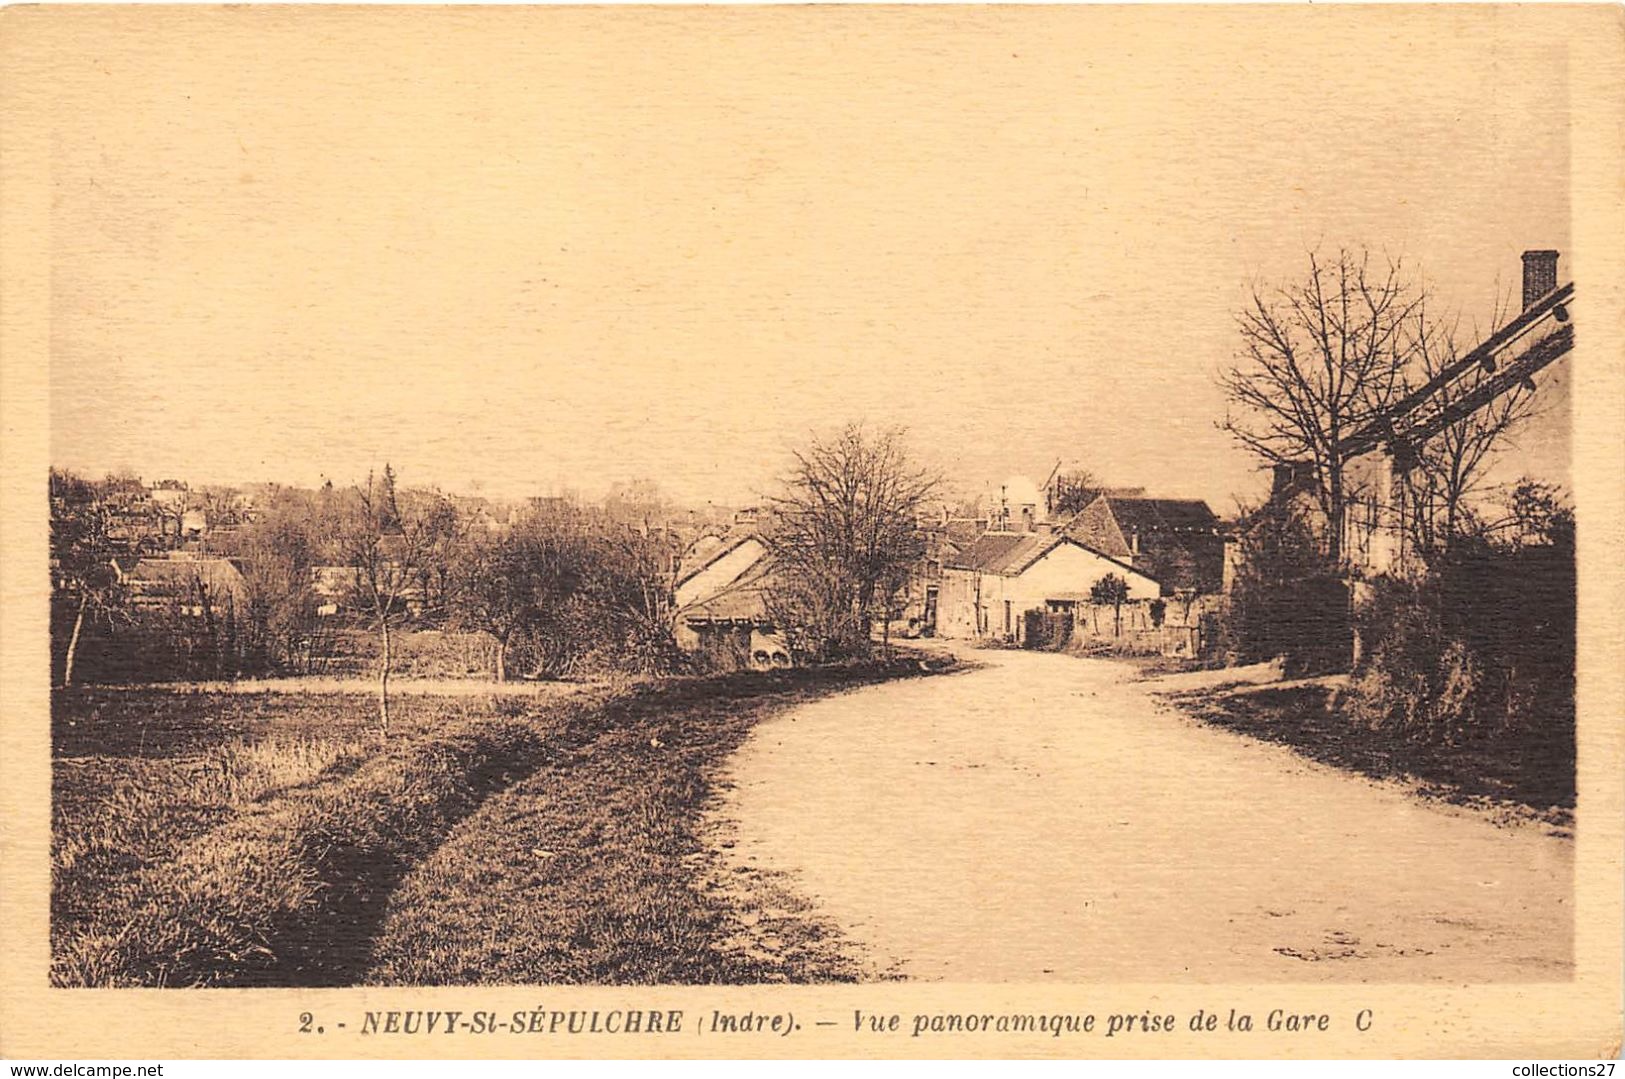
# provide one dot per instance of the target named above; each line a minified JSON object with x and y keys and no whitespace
{"x":1418,"y":416}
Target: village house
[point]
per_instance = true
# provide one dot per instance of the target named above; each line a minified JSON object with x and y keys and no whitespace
{"x":1021,"y":557}
{"x":1178,"y":541}
{"x":169,"y":495}
{"x":720,"y":602}
{"x":199,"y":587}
{"x":1019,"y":507}
{"x":479,"y":516}
{"x":988,"y":587}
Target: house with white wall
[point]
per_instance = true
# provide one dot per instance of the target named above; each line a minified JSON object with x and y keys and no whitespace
{"x":988,"y":587}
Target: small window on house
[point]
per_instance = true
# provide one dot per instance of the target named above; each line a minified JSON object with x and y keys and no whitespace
{"x":1007,"y":619}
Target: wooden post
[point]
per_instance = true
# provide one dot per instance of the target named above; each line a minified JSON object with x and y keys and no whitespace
{"x":383,"y":683}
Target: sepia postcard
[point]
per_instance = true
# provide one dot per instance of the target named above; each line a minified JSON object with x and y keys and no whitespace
{"x":812,"y":531}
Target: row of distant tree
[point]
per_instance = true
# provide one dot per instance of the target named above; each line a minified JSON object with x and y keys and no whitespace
{"x":560,"y":586}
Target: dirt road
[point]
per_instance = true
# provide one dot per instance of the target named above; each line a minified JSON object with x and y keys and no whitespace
{"x":1047,"y":818}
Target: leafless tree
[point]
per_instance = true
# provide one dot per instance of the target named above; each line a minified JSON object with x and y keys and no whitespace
{"x":521,"y":583}
{"x":1447,"y":470}
{"x":1319,"y":359}
{"x":82,"y":559}
{"x":221,"y":507}
{"x":387,"y":540}
{"x":846,"y":532}
{"x":628,"y":588}
{"x":1071,"y":491}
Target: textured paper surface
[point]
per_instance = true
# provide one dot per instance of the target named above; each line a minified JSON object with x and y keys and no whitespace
{"x":815,"y":128}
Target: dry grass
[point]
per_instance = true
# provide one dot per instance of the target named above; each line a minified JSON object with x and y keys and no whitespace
{"x":594,"y":869}
{"x":286,"y":890}
{"x":223,"y":840}
{"x":134,"y":801}
{"x":191,"y":798}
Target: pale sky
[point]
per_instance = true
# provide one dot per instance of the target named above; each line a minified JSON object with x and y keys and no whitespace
{"x":568,"y":247}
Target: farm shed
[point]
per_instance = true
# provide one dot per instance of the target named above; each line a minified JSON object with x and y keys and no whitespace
{"x":721,"y":608}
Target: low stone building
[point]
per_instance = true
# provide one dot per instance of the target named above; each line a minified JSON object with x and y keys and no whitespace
{"x":988,"y":587}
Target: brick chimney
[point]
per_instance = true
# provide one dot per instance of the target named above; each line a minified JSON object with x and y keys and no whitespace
{"x":1539,"y":275}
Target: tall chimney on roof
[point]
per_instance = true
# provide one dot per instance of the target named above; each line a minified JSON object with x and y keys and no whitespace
{"x":1539,"y":275}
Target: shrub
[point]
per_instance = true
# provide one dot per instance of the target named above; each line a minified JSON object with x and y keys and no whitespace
{"x":1413,"y":680}
{"x":1303,"y":620}
{"x":1482,"y":648}
{"x":1158,"y":611}
{"x":1047,"y":631}
{"x":1286,"y":600}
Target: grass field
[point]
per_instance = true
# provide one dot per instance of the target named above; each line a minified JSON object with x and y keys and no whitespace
{"x":218,"y":839}
{"x":594,"y":868}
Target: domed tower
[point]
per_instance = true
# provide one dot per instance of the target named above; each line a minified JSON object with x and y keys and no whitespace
{"x":1021,"y":505}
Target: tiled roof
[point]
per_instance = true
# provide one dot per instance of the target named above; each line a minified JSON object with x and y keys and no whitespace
{"x":1171,"y":514}
{"x":1004,"y":552}
{"x":1145,"y":516}
{"x":730,"y":604}
{"x":715,"y":554}
{"x":172,"y":574}
{"x":964,"y":532}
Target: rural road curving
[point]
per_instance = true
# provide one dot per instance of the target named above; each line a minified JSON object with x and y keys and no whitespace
{"x":1047,"y":818}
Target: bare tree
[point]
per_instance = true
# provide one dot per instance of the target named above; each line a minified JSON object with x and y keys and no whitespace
{"x":82,"y":570}
{"x":221,"y":506}
{"x":628,"y":587}
{"x":1445,"y":473}
{"x":387,"y":540}
{"x":277,"y":559}
{"x":1320,"y":358}
{"x":521,"y":582}
{"x":446,"y":531}
{"x":846,"y":530}
{"x":1071,"y":491}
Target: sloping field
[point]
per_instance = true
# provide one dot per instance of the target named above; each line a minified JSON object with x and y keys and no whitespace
{"x":252,"y":843}
{"x":213,"y":839}
{"x":595,"y":869}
